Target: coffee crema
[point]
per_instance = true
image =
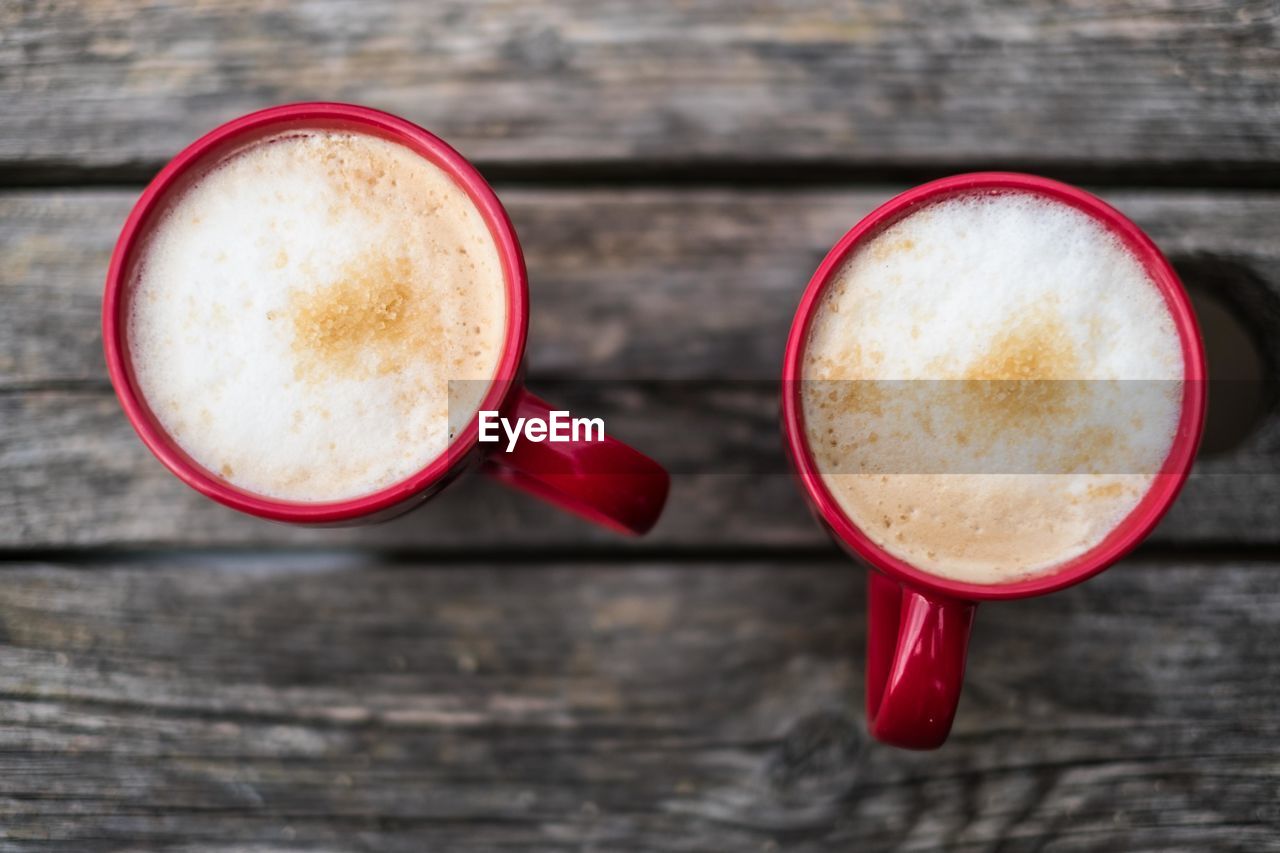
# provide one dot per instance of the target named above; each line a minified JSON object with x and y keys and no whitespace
{"x":991,"y":384}
{"x":301,"y":317}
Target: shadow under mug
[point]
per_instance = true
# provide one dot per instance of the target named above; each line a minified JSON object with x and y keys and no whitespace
{"x":918,"y":624}
{"x":604,"y":481}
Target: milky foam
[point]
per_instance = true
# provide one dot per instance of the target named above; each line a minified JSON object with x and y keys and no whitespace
{"x":1023,"y":464}
{"x":296,"y":316}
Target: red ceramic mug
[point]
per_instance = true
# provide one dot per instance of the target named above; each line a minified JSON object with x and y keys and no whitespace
{"x":917,"y":623}
{"x":604,"y":481}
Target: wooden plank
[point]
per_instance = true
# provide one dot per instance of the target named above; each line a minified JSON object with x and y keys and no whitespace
{"x":625,"y":284}
{"x":334,"y":703}
{"x":630,"y":285}
{"x":124,"y":84}
{"x":76,"y":475}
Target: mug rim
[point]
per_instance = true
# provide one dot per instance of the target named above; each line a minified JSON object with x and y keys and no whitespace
{"x":321,"y":115}
{"x":1131,"y":530}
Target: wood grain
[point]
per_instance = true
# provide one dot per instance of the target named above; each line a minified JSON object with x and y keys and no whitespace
{"x":625,"y":284}
{"x":335,"y":703}
{"x":674,"y":304}
{"x":488,"y":674}
{"x":123,"y":84}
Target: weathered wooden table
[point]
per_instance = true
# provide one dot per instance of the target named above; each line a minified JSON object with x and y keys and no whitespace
{"x":487,"y":674}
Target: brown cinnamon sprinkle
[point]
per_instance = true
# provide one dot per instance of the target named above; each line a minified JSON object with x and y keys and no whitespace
{"x":367,"y":322}
{"x":1014,"y":384}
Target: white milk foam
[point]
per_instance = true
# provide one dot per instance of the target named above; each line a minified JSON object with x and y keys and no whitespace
{"x":991,"y":481}
{"x":298,"y":313}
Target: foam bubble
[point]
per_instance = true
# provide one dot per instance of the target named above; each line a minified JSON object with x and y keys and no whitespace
{"x":297,"y":315}
{"x":1028,"y":460}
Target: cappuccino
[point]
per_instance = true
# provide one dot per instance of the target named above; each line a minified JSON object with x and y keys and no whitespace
{"x":298,"y":314}
{"x":991,"y":384}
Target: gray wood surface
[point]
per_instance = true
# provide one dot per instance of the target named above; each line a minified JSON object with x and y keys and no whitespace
{"x":629,"y":292}
{"x":487,"y":674}
{"x":1170,"y":88}
{"x":657,"y":284}
{"x":341,"y":704}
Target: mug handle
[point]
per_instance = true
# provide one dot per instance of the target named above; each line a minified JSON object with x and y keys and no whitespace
{"x":604,"y":481}
{"x":917,"y":643}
